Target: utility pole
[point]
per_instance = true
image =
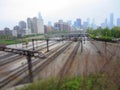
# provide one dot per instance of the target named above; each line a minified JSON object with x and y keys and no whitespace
{"x":84,"y":39}
{"x":33,"y":44}
{"x":30,"y":67}
{"x":81,"y":45}
{"x":36,"y":43}
{"x":47,"y":40}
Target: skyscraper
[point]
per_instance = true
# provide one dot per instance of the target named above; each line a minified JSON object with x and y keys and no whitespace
{"x":85,"y":25}
{"x":104,"y":24}
{"x":35,"y":25}
{"x":22,"y":25}
{"x":111,"y":24}
{"x":49,"y":23}
{"x":93,"y":25}
{"x":40,"y":24}
{"x":78,"y":22}
{"x":60,"y":25}
{"x":69,"y":22}
{"x":118,"y":22}
{"x":29,"y":26}
{"x":39,"y":16}
{"x":88,"y":20}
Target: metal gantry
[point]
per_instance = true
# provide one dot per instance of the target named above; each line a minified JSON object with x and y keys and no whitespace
{"x":47,"y":43}
{"x":29,"y":54}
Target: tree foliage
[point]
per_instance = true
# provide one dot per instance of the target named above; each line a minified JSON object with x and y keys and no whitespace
{"x":105,"y":33}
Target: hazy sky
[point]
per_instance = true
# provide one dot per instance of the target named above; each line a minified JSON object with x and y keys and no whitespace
{"x":12,"y":11}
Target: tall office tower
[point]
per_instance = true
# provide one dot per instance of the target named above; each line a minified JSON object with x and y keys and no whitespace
{"x":106,"y":23}
{"x":49,"y":23}
{"x":22,"y":25}
{"x":35,"y":25}
{"x":7,"y":31}
{"x":88,"y":20}
{"x":39,"y":16}
{"x":60,"y":25}
{"x":29,"y":26}
{"x":85,"y":25}
{"x":69,"y":22}
{"x":17,"y":32}
{"x":78,"y":23}
{"x":93,"y":25}
{"x":118,"y":22}
{"x":111,"y":24}
{"x":75,"y":24}
{"x":40,"y":24}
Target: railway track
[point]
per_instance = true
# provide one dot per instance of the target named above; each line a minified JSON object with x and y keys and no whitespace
{"x":107,"y":49}
{"x":67,"y":66}
{"x":28,"y":47}
{"x":19,"y":74}
{"x":108,"y":53}
{"x":51,"y":58}
{"x":11,"y":54}
{"x":4,"y":56}
{"x":14,"y":57}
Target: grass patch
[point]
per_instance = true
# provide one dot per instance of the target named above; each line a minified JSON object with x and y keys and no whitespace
{"x":74,"y":83}
{"x":8,"y":42}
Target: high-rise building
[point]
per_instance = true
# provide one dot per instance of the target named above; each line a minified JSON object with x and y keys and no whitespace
{"x":29,"y":29}
{"x":118,"y":22}
{"x":35,"y":25}
{"x":17,"y":32}
{"x":22,"y":25}
{"x":48,"y":29}
{"x":49,"y":23}
{"x":7,"y":31}
{"x":40,"y":24}
{"x":60,"y":25}
{"x":16,"y":27}
{"x":77,"y":23}
{"x":104,"y":24}
{"x":39,"y":16}
{"x":69,"y":22}
{"x":93,"y":25}
{"x":111,"y":24}
{"x":85,"y":25}
{"x":88,"y":20}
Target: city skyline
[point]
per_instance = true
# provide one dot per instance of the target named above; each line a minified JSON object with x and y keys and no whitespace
{"x":13,"y":11}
